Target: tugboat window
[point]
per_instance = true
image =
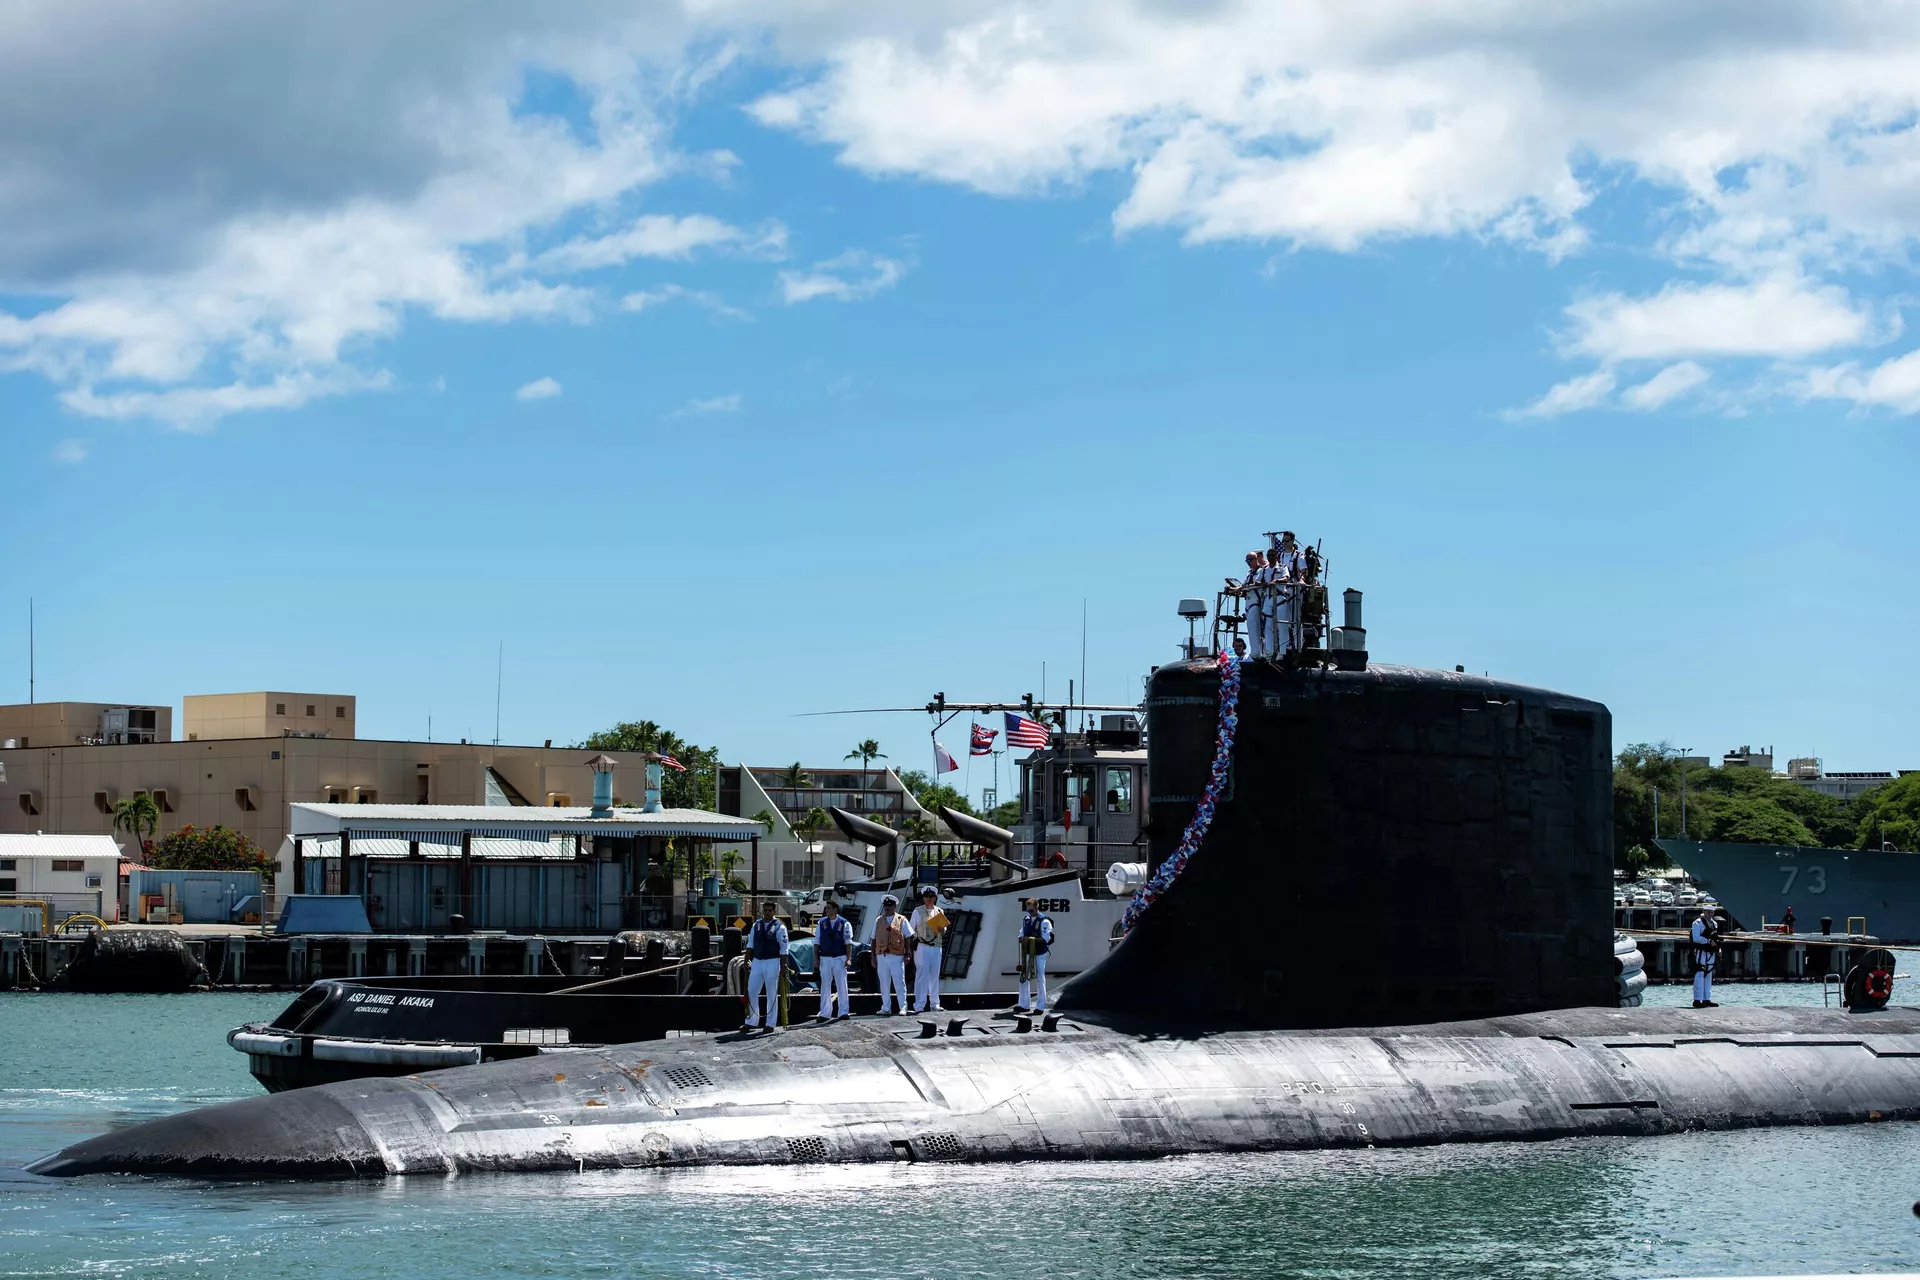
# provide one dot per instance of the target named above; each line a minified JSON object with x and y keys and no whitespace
{"x":1119,"y":791}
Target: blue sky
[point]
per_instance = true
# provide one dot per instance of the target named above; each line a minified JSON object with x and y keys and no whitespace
{"x":872,"y":347}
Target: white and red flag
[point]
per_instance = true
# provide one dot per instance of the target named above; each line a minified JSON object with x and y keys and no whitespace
{"x":944,"y":758}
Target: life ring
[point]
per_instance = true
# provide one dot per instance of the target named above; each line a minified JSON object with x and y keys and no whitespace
{"x":1054,"y":860}
{"x":1878,"y":985}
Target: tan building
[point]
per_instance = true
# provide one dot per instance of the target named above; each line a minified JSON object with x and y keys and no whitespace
{"x":207,"y":716}
{"x":247,"y":783}
{"x":59,"y":724}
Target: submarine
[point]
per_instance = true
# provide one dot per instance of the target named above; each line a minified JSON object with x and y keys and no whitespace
{"x":1472,"y":995}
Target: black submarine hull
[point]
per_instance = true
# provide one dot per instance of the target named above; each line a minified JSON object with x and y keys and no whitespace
{"x":874,"y":1091}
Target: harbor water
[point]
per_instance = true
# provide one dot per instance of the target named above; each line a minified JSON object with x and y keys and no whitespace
{"x":1763,"y":1202}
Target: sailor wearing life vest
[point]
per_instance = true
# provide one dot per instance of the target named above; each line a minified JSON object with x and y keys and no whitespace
{"x":1283,"y":607}
{"x":890,"y":956}
{"x":767,"y":945}
{"x":1036,"y":939}
{"x":1704,"y":954}
{"x":928,"y":926}
{"x":834,"y":944}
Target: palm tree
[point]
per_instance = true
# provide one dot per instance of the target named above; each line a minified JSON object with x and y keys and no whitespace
{"x":918,"y":828}
{"x":767,"y":819}
{"x":796,"y":776}
{"x":867,"y":752}
{"x":808,"y":825}
{"x":138,"y":816}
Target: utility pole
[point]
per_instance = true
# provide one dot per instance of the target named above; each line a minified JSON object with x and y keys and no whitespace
{"x":1683,"y":793}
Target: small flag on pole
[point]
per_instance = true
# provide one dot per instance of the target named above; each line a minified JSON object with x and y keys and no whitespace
{"x":671,"y":763}
{"x":944,"y":757}
{"x":1024,"y":731}
{"x":982,"y":740}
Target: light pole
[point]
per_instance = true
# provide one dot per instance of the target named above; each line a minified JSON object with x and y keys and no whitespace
{"x":1683,"y":792}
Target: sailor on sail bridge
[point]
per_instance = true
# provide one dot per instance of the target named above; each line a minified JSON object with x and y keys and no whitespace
{"x":767,"y":944}
{"x":1283,"y":598}
{"x":1705,"y":952}
{"x":1252,"y":593}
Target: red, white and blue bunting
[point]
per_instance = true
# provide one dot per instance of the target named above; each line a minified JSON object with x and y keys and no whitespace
{"x":1196,"y":831}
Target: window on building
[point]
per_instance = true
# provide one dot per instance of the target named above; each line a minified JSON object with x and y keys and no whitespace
{"x":8,"y":864}
{"x":9,"y":886}
{"x":93,"y":882}
{"x":309,"y":708}
{"x":1119,"y":791}
{"x":68,"y":864}
{"x":339,"y":713}
{"x":279,"y":708}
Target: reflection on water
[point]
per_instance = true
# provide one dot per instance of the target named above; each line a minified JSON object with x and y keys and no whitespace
{"x":1829,"y":1200}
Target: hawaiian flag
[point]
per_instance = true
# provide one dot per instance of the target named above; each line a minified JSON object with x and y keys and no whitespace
{"x":944,"y":758}
{"x":1024,"y":731}
{"x":671,"y":763}
{"x":983,"y":740}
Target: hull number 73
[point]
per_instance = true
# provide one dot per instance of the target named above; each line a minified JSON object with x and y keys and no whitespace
{"x":1816,"y":879}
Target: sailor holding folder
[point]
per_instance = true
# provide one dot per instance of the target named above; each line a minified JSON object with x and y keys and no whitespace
{"x":928,"y":926}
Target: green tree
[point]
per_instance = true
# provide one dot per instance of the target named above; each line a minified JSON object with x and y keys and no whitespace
{"x":809,"y":824}
{"x":729,"y":861}
{"x":931,"y":794}
{"x":918,"y":828}
{"x":768,"y":819}
{"x":138,"y":815}
{"x":795,"y":775}
{"x":697,"y":788}
{"x":866,"y":753}
{"x":213,"y":848}
{"x":1752,"y":819}
{"x":1004,"y":814}
{"x":1890,"y":815}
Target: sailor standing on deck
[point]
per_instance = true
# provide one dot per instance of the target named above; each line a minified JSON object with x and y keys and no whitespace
{"x":1283,"y":607}
{"x":1036,"y":939}
{"x":835,"y":942}
{"x":767,"y":944}
{"x":890,"y":956}
{"x":1705,"y":951}
{"x":928,"y":925}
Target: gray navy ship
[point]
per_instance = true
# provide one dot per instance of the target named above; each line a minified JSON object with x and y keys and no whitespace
{"x":1867,"y":891}
{"x":1472,"y":996}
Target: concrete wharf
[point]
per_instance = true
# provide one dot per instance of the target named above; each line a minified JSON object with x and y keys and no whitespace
{"x":251,"y":959}
{"x":1777,"y":957}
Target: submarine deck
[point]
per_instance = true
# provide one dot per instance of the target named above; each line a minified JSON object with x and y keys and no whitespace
{"x":873,"y":1090}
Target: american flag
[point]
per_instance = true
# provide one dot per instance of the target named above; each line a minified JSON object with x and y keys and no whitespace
{"x":671,"y":763}
{"x":1023,"y":731}
{"x":983,"y":740}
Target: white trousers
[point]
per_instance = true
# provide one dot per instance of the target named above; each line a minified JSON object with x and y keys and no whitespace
{"x":1703,"y":985}
{"x":926,"y":977}
{"x":833,"y":976}
{"x":1037,"y":988}
{"x":763,"y":978}
{"x":1279,"y":615}
{"x":892,"y":972}
{"x":1256,"y":629}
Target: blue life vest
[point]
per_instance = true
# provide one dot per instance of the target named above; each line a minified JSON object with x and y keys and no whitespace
{"x":834,"y":935}
{"x":1039,"y":927}
{"x":768,"y":939}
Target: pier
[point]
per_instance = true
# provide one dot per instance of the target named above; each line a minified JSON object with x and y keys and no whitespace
{"x":256,"y":961}
{"x":1783,"y":957}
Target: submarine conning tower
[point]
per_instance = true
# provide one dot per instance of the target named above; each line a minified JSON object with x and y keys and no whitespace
{"x":1392,"y":846}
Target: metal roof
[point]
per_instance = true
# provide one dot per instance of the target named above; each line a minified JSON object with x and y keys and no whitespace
{"x":516,"y":821}
{"x":58,"y":846}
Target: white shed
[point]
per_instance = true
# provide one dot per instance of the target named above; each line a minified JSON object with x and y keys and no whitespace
{"x":71,"y":874}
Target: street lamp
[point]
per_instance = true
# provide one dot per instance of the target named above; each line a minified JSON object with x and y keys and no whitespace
{"x":1683,"y":792}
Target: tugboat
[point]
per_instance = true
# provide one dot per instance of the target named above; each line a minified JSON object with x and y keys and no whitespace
{"x":1476,"y":1001}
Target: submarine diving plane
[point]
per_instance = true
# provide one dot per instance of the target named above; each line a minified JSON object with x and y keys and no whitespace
{"x":1474,"y":997}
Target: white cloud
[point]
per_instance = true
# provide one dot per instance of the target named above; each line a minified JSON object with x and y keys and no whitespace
{"x":538,"y":389}
{"x":1588,"y":391}
{"x":848,"y":278}
{"x":706,"y":298}
{"x":1892,"y":384}
{"x":1670,"y":383}
{"x":71,"y":452}
{"x":197,"y":408}
{"x":1771,"y":317}
{"x":713,"y":404}
{"x":656,"y":236}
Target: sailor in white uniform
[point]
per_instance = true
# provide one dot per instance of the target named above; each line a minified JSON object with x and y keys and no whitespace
{"x":927,"y":927}
{"x":1283,"y":608}
{"x":1036,"y":939}
{"x":767,"y":945}
{"x":1704,"y":954}
{"x":834,"y":947}
{"x":1252,"y":602}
